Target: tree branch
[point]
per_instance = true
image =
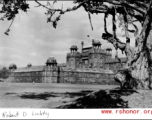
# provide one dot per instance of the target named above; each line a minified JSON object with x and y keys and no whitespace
{"x":105,"y":23}
{"x":142,"y":39}
{"x":135,"y":8}
{"x":90,"y":20}
{"x":126,"y":21}
{"x":114,"y":22}
{"x":126,"y":4}
{"x":8,"y":30}
{"x":60,"y":10}
{"x":146,"y":26}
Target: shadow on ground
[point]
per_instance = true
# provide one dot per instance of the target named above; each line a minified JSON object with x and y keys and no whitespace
{"x":47,"y":95}
{"x":37,"y":96}
{"x":101,"y":99}
{"x":83,"y":99}
{"x":9,"y":93}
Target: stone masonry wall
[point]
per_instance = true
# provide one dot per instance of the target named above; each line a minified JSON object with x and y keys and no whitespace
{"x":86,"y":78}
{"x":55,"y":76}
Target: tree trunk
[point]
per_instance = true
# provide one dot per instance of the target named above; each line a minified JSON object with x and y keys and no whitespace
{"x":138,"y":66}
{"x":137,"y":71}
{"x":140,"y":71}
{"x":141,"y":68}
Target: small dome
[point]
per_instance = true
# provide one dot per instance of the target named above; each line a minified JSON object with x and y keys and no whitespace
{"x":29,"y":65}
{"x":51,"y":60}
{"x":96,"y":42}
{"x":12,"y":66}
{"x":74,"y":47}
{"x":108,"y":49}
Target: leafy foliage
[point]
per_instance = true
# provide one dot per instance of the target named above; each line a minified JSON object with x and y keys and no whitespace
{"x":10,"y":8}
{"x":135,"y":10}
{"x":4,"y":73}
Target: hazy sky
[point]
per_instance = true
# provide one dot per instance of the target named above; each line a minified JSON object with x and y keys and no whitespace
{"x":33,"y":40}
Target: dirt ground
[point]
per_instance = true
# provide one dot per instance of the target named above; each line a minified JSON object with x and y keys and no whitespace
{"x":66,"y":96}
{"x":44,"y":95}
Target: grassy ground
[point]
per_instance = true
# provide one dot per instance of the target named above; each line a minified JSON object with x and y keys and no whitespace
{"x":43,"y":95}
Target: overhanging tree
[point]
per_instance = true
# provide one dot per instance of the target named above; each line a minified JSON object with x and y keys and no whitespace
{"x":137,"y":72}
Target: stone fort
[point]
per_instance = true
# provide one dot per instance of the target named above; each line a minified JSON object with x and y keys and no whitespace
{"x":93,"y":65}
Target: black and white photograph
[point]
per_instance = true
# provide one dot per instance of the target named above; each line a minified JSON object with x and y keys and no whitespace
{"x":80,"y":54}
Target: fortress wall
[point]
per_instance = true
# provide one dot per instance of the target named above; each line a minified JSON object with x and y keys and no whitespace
{"x":50,"y":76}
{"x":27,"y":77}
{"x":87,"y":78}
{"x":64,"y":76}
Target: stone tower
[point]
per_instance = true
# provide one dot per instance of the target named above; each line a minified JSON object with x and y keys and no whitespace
{"x":51,"y":63}
{"x":12,"y":68}
{"x":109,"y":52}
{"x":73,"y":58}
{"x":82,"y":44}
{"x":50,"y":70}
{"x":96,"y":55}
